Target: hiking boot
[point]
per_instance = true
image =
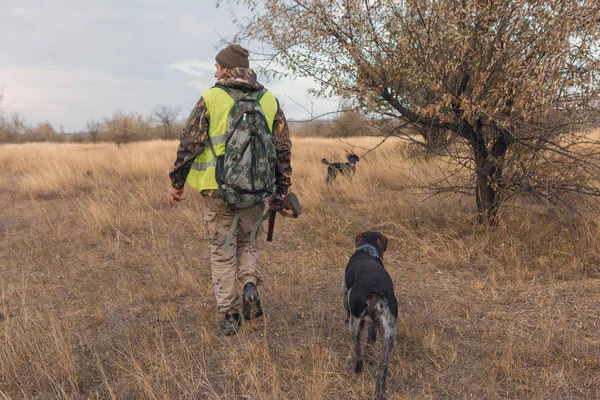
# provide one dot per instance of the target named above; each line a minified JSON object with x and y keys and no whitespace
{"x":252,"y":307}
{"x":231,"y":323}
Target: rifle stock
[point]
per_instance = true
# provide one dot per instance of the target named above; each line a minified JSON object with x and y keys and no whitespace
{"x":281,"y":204}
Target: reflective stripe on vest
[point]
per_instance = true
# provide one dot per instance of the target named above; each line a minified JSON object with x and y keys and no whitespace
{"x":219,"y":103}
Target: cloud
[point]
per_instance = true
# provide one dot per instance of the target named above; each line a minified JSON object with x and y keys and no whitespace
{"x":69,"y":96}
{"x":151,"y":15}
{"x":197,"y":30}
{"x":297,"y":103}
{"x":199,"y":85}
{"x":87,"y":60}
{"x":291,"y":93}
{"x":20,"y":12}
{"x":294,"y":98}
{"x":195,"y":68}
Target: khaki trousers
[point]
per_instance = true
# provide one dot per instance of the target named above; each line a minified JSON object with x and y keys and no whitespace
{"x":240,"y":262}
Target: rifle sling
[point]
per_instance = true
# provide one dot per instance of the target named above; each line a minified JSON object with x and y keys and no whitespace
{"x":258,"y":222}
{"x":236,"y":218}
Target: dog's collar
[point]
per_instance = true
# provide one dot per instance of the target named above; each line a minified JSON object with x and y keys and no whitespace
{"x":369,"y":249}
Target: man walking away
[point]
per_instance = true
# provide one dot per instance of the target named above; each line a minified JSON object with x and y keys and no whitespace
{"x":235,"y":150}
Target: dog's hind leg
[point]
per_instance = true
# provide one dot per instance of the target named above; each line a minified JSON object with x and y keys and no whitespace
{"x":345,"y":296}
{"x":331,"y":174}
{"x":375,"y":306}
{"x":387,"y":329}
{"x":370,"y":348}
{"x":356,"y":325}
{"x":372,"y":334}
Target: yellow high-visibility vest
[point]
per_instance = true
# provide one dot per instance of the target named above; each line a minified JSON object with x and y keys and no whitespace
{"x":219,"y":103}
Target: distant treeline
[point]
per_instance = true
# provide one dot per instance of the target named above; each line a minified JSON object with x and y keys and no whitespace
{"x":165,"y":123}
{"x":344,"y":124}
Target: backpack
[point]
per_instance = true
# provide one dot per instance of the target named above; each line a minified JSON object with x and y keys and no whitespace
{"x":246,"y":171}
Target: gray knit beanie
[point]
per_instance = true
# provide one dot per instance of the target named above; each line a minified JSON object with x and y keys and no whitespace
{"x":233,"y":56}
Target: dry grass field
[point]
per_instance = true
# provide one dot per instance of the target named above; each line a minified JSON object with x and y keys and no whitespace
{"x":105,"y":292}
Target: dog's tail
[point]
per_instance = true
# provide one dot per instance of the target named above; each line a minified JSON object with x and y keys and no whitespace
{"x":375,"y":305}
{"x":324,"y":161}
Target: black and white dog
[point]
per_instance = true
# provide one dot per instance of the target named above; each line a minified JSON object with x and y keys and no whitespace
{"x":369,"y":297}
{"x":347,"y":169}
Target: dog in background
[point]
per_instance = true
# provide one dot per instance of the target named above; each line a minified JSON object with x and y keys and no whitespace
{"x":347,"y":169}
{"x":368,"y":293}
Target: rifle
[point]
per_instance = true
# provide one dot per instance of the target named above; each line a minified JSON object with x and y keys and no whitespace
{"x":279,"y":204}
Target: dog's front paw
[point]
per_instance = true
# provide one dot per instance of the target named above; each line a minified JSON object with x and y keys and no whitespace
{"x":358,"y":366}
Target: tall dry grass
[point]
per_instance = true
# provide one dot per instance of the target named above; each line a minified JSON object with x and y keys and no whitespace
{"x":106,"y":293}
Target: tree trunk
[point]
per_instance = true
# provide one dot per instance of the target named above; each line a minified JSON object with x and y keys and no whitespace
{"x":488,"y":168}
{"x":486,"y":193}
{"x":488,"y":164}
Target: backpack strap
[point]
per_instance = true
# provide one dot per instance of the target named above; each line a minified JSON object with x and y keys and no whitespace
{"x":212,"y":148}
{"x":234,"y":223}
{"x":258,"y":222}
{"x":237,"y":94}
{"x":261,"y":94}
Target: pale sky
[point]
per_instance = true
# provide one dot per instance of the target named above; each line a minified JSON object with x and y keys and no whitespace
{"x":68,"y":61}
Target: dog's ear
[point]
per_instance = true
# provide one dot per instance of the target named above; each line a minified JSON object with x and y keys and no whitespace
{"x":382,"y":242}
{"x":359,"y":239}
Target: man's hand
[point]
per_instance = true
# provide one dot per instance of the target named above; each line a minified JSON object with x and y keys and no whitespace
{"x":175,"y":196}
{"x":283,"y":203}
{"x":275,"y":201}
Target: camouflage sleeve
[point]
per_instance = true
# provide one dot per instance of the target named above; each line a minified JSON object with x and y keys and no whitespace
{"x":283,"y":144}
{"x":193,"y":138}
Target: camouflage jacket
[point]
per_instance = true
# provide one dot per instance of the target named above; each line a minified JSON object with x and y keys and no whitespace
{"x":193,"y":137}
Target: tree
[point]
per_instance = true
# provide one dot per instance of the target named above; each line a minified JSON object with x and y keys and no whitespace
{"x":167,"y":116}
{"x":351,"y":123}
{"x":126,"y":128}
{"x":515,"y":82}
{"x":14,"y":128}
{"x":93,"y":130}
{"x":42,"y":132}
